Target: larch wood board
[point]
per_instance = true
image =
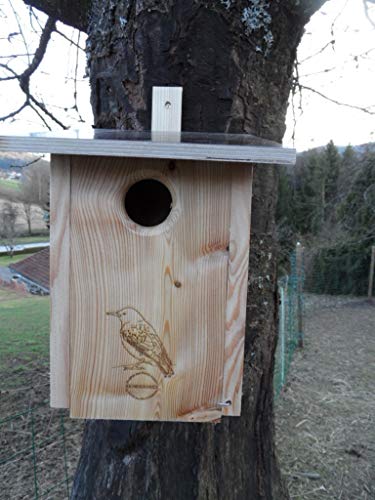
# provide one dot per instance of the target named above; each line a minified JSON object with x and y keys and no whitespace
{"x":170,"y":280}
{"x":166,"y":111}
{"x":59,"y":280}
{"x":238,"y":271}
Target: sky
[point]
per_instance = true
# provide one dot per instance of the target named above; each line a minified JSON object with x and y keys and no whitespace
{"x":344,"y":71}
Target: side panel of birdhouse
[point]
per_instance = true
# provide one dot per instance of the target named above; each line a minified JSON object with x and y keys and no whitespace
{"x":59,"y":280}
{"x":238,"y":270}
{"x":148,"y":305}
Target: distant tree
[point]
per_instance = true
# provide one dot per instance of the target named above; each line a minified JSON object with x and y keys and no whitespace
{"x":330,"y":175}
{"x":8,"y":216}
{"x":35,"y":184}
{"x":33,"y":192}
{"x":357,"y":211}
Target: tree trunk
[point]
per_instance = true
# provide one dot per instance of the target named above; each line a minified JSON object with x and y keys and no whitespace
{"x":234,"y":59}
{"x":27,"y":212}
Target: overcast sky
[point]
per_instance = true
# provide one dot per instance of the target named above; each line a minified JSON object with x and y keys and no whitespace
{"x":344,"y":71}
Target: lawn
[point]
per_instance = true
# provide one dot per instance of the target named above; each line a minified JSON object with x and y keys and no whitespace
{"x":9,"y":183}
{"x":24,"y":328}
{"x":6,"y":260}
{"x":21,"y":240}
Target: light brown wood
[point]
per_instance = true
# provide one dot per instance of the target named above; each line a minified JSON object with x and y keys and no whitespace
{"x":237,"y":289}
{"x":206,"y":147}
{"x":166,"y":111}
{"x":59,"y":280}
{"x":174,"y":274}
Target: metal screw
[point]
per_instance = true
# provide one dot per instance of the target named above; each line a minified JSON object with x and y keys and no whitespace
{"x":228,"y":402}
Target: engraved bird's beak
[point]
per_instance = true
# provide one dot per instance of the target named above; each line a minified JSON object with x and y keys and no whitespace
{"x":115,"y":314}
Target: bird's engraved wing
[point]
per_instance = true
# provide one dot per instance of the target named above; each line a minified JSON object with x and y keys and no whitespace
{"x":148,"y":343}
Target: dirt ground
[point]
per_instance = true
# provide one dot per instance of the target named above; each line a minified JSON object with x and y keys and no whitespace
{"x":32,"y":451}
{"x":325,"y":416}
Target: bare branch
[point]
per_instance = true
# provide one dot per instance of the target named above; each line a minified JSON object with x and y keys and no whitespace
{"x":20,"y":29}
{"x":39,"y":53}
{"x":72,"y":42}
{"x":75,"y":107}
{"x":28,"y":163}
{"x":13,"y":56}
{"x":7,"y":68}
{"x":35,"y":109}
{"x":337,"y":17}
{"x":42,"y":107}
{"x":331,"y":43}
{"x":334,"y":101}
{"x":14,"y":113}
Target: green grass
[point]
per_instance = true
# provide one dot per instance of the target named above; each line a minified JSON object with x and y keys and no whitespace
{"x":21,"y":240}
{"x":10,"y":184}
{"x":6,"y":260}
{"x":24,"y":328}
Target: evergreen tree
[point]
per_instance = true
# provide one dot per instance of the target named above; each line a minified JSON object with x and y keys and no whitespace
{"x":330,"y":175}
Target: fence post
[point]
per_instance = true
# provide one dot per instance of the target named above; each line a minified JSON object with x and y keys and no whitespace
{"x":299,"y":277}
{"x":282,"y":333}
{"x":371,"y":273}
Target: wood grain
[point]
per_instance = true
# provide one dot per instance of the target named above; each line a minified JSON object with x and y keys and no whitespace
{"x":175,"y":274}
{"x":232,"y":152}
{"x":59,"y":280}
{"x":238,"y":271}
{"x":166,"y":111}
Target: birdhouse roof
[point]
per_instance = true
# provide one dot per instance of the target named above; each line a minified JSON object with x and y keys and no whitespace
{"x":237,"y":148}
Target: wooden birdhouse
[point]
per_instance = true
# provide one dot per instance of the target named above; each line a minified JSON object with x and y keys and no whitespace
{"x":149,"y":266}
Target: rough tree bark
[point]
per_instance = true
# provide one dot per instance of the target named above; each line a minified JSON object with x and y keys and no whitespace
{"x":235,"y":61}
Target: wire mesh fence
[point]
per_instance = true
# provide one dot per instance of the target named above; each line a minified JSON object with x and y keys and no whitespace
{"x":34,"y":454}
{"x":39,"y":446}
{"x":291,"y":309}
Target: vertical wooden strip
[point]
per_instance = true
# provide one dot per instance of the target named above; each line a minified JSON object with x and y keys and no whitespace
{"x":166,"y":111}
{"x":59,"y":280}
{"x":237,"y":288}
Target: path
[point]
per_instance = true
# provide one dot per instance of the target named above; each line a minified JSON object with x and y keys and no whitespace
{"x":325,"y":419}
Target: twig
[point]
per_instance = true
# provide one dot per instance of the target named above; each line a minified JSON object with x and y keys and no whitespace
{"x":334,"y":101}
{"x":20,"y":29}
{"x":69,"y":40}
{"x":14,"y":113}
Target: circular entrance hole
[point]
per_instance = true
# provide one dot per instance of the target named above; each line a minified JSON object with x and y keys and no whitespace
{"x":148,"y":202}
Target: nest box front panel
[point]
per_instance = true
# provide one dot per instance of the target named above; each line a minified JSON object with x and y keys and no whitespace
{"x":148,"y":302}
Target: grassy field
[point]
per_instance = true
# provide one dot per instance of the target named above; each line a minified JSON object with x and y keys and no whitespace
{"x":24,"y":328}
{"x":6,"y":260}
{"x":21,"y":240}
{"x":9,"y":183}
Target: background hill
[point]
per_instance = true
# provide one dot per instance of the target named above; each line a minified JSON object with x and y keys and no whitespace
{"x":12,"y":160}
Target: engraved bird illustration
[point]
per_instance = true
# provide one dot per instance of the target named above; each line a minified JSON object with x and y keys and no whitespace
{"x":140,"y":340}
